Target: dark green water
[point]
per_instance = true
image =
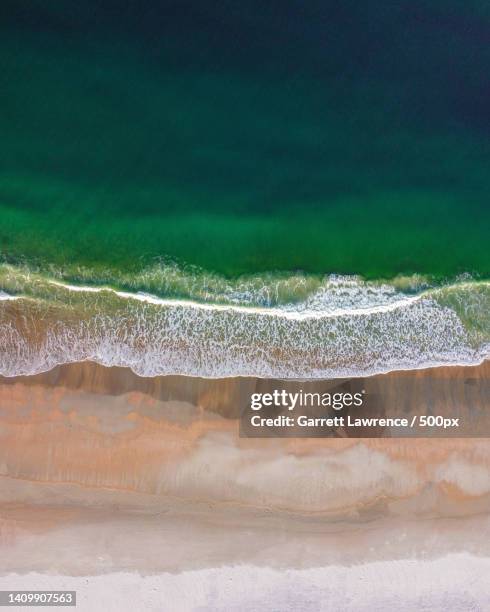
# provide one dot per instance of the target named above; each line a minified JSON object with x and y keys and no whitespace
{"x":247,"y":137}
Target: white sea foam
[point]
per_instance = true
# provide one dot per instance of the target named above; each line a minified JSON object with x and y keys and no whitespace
{"x":351,"y":298}
{"x":345,"y":327}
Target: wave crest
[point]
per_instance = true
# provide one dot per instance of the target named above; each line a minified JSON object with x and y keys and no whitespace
{"x":345,"y":327}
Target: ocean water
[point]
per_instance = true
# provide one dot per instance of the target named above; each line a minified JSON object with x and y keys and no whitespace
{"x":296,"y":327}
{"x":290,"y":190}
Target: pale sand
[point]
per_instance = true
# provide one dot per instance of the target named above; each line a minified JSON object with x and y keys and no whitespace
{"x":456,"y":583}
{"x":104,"y":472}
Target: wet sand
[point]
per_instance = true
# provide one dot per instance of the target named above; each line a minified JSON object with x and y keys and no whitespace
{"x":102,"y":472}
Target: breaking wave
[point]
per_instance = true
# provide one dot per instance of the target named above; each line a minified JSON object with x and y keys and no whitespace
{"x":295,"y":326}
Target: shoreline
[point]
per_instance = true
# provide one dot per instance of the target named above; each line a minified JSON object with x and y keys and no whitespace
{"x":428,"y":367}
{"x":93,"y":377}
{"x":345,"y":329}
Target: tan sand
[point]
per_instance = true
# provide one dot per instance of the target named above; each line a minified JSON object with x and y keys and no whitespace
{"x":103,"y":471}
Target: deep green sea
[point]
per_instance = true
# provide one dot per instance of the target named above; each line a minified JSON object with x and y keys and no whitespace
{"x":327,"y":159}
{"x":247,"y":137}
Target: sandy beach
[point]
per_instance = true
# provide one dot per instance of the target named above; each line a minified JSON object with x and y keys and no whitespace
{"x":104,"y":472}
